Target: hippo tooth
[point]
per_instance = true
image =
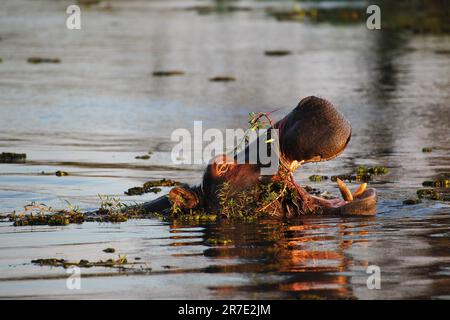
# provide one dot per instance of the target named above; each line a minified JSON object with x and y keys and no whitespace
{"x":294,"y":165}
{"x":360,"y":190}
{"x":346,"y":194}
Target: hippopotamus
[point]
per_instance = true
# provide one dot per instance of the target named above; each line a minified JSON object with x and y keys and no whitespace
{"x":313,"y":131}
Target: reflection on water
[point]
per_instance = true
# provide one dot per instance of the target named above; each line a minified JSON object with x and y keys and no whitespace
{"x":100,"y":107}
{"x":310,"y":258}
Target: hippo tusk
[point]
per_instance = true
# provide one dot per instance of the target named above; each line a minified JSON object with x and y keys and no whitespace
{"x":346,"y":194}
{"x":294,"y":165}
{"x":360,"y":190}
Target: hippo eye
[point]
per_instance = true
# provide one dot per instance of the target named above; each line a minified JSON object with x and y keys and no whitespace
{"x":222,"y":168}
{"x":222,"y":164}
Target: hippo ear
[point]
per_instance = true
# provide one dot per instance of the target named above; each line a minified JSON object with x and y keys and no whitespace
{"x":183,"y":199}
{"x":222,"y":164}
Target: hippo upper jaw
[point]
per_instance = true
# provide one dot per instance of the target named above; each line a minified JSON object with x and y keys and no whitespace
{"x":314,"y":131}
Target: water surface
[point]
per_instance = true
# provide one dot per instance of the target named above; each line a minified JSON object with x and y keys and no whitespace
{"x":100,"y":107}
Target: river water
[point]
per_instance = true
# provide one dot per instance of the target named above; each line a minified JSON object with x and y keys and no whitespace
{"x":98,"y":109}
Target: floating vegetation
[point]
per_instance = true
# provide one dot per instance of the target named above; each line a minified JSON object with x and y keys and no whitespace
{"x":427,"y":149}
{"x":412,"y":201}
{"x":60,"y":173}
{"x":198,"y":217}
{"x":152,"y":186}
{"x":339,"y":15}
{"x":220,"y":8}
{"x":135,"y":191}
{"x":444,"y":183}
{"x":352,"y":177}
{"x":40,"y":214}
{"x":317,"y":178}
{"x":112,"y":209}
{"x":363,"y":170}
{"x":161,"y":183}
{"x":398,"y":15}
{"x":222,"y":79}
{"x":144,"y":157}
{"x":88,"y":2}
{"x":121,"y":263}
{"x":442,"y":51}
{"x":10,"y":157}
{"x":218,"y":242}
{"x":168,"y":73}
{"x":439,"y":188}
{"x":277,"y":53}
{"x":169,"y":267}
{"x":430,"y":194}
{"x":36,"y":60}
{"x":363,"y":174}
{"x":154,"y":190}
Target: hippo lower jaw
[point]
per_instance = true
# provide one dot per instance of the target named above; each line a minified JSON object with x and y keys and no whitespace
{"x":363,"y":205}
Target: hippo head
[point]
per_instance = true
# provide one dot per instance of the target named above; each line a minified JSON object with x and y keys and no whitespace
{"x":314,"y":131}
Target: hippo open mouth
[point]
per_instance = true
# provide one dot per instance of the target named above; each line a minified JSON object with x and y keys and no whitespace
{"x":314,"y":131}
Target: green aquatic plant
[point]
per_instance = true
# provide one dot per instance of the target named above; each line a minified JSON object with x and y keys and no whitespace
{"x":276,"y":198}
{"x":197,"y":217}
{"x":143,"y":157}
{"x":112,"y":209}
{"x":430,"y":194}
{"x":168,"y":73}
{"x":317,"y":178}
{"x":352,"y":177}
{"x":277,"y":53}
{"x":363,"y":174}
{"x":135,"y":191}
{"x":363,"y":170}
{"x":439,"y":183}
{"x":41,"y":214}
{"x":218,"y":242}
{"x":36,"y":60}
{"x":222,"y":79}
{"x":120,"y":263}
{"x":160,"y":183}
{"x":11,"y":157}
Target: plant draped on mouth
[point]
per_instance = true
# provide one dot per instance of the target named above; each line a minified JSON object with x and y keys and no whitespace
{"x":282,"y":196}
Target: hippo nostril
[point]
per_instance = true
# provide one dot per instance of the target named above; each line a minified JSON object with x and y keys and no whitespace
{"x":314,"y":131}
